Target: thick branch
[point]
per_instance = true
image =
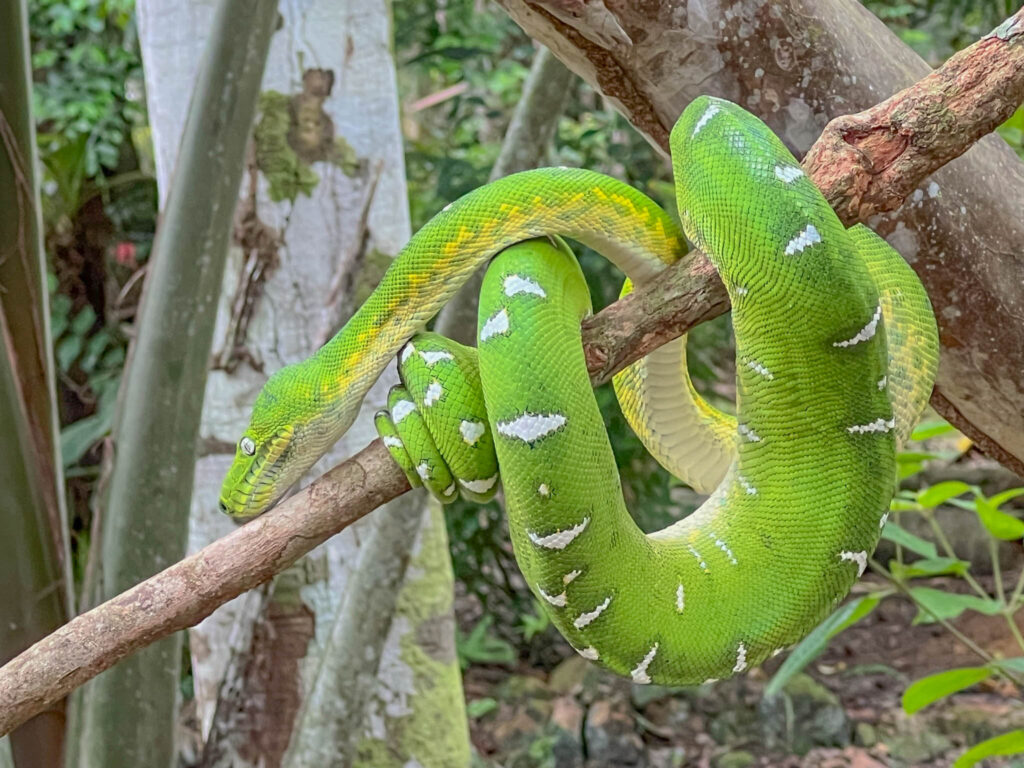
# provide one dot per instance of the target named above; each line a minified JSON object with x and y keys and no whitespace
{"x":188,"y":591}
{"x":872,"y":161}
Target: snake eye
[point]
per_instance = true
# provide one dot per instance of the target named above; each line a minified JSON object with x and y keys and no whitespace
{"x":247,"y":445}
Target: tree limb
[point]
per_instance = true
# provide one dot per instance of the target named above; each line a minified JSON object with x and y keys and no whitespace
{"x":183,"y":594}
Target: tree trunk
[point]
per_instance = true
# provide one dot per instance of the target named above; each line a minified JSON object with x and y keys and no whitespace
{"x":428,"y":592}
{"x":323,"y":210}
{"x":798,"y":64}
{"x":130,"y":711}
{"x":35,"y":594}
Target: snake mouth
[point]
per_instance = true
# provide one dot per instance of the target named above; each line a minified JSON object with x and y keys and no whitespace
{"x":262,"y":484}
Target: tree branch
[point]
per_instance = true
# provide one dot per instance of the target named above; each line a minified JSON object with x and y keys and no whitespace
{"x":688,"y":294}
{"x":870,"y":162}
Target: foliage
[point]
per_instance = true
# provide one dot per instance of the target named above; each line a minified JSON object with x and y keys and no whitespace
{"x":86,"y":66}
{"x":938,"y":28}
{"x":95,"y":353}
{"x":934,"y":557}
{"x":99,"y":211}
{"x":479,"y":646}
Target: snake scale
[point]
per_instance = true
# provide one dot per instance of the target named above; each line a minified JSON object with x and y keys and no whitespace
{"x":836,"y":351}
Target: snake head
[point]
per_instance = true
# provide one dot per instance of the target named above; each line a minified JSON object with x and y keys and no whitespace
{"x":285,"y":436}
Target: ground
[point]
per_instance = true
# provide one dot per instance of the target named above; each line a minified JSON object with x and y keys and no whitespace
{"x":845,"y":713}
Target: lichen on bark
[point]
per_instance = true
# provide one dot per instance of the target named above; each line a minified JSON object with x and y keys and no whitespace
{"x":294,"y":132}
{"x":419,"y":713}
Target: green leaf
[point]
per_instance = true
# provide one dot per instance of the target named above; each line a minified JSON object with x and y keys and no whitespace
{"x":904,"y":505}
{"x":999,"y":523}
{"x":929,"y":429}
{"x":1014,"y":665}
{"x":930,"y":689}
{"x":480,"y":707}
{"x":1011,"y":743}
{"x":940,"y":492}
{"x":480,"y":647}
{"x":83,"y":321}
{"x":936,"y":604}
{"x":68,"y":350}
{"x":897,"y":535}
{"x":811,"y":646}
{"x":930,"y":566}
{"x":1001,"y":498}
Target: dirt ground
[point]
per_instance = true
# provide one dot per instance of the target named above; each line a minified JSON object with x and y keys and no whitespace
{"x":844,"y":713}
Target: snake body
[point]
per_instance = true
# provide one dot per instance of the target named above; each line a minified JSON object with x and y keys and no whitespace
{"x":836,"y":353}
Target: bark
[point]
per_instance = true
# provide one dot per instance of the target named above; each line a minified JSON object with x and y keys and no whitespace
{"x":422,"y":637}
{"x":798,"y":64}
{"x":129,"y":714}
{"x":35,"y":591}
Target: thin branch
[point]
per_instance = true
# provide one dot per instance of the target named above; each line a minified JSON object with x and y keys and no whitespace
{"x":688,"y":293}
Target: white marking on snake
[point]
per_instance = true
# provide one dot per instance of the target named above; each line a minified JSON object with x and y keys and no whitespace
{"x":639,"y":673}
{"x":788,"y":173}
{"x":710,"y":680}
{"x":777,"y":651}
{"x":860,"y":558}
{"x":471,"y":431}
{"x":710,"y":112}
{"x":758,"y":368}
{"x":805,"y":239}
{"x":746,"y":485}
{"x":724,"y":547}
{"x":480,"y":486}
{"x":495,"y":325}
{"x":741,"y":290}
{"x":878,"y":425}
{"x":402,"y":409}
{"x":449,"y":490}
{"x":559,"y":539}
{"x":585,"y":618}
{"x":432,"y":357}
{"x":748,"y":433}
{"x":679,"y":598}
{"x":423,"y":470}
{"x":589,"y":652}
{"x":697,"y":554}
{"x":531,"y":427}
{"x":516,"y":284}
{"x":393,"y":442}
{"x":884,"y":520}
{"x":882,"y":382}
{"x":570,"y":576}
{"x":543,"y":490}
{"x":407,"y":350}
{"x":741,"y":658}
{"x":864,"y":333}
{"x":433,"y":394}
{"x":557,"y":600}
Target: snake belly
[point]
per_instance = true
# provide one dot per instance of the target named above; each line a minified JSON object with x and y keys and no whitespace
{"x":806,"y":470}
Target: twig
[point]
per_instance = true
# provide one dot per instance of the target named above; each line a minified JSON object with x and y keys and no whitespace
{"x":689,"y":293}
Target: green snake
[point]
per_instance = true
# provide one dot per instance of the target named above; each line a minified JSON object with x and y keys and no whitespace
{"x":836,"y":351}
